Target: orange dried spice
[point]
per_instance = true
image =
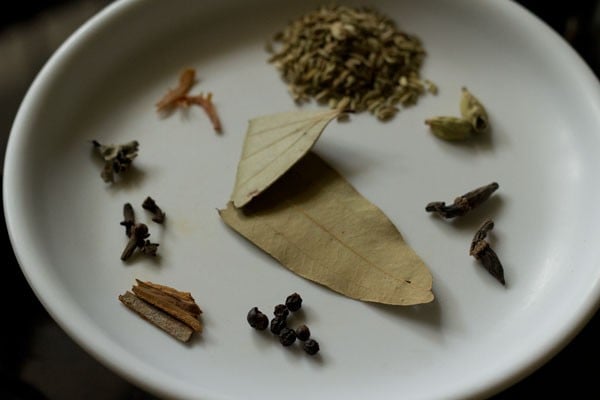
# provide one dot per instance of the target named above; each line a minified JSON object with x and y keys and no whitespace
{"x":179,"y":97}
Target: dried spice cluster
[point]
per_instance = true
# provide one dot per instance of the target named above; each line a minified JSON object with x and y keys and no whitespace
{"x":355,"y":59}
{"x":279,"y":324}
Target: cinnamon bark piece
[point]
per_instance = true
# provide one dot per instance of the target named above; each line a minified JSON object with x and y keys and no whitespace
{"x":172,"y":326}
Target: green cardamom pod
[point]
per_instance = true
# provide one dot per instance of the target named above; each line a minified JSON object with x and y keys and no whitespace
{"x":450,"y":128}
{"x":473,"y":111}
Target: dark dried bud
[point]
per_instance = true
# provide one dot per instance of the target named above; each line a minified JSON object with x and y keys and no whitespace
{"x":257,"y":319}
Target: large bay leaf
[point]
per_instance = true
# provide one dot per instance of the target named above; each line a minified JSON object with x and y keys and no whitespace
{"x":316,"y":224}
{"x":272,"y":145}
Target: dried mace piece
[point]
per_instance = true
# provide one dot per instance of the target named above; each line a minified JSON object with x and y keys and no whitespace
{"x":481,"y":250}
{"x":172,"y":310}
{"x":257,"y":319}
{"x":158,"y":214}
{"x":174,"y":96}
{"x":463,"y":204}
{"x":179,"y":97}
{"x":117,"y":158}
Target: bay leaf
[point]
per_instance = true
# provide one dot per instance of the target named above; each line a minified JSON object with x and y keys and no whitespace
{"x":272,"y":145}
{"x":317,"y":225}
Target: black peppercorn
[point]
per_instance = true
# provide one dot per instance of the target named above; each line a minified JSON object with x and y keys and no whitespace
{"x":287,"y":337}
{"x":293,"y":302}
{"x":302,"y":332}
{"x":277,"y":324}
{"x":311,"y":347}
{"x":281,"y":311}
{"x":257,"y":319}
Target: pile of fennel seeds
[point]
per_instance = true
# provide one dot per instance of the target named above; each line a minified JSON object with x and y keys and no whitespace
{"x":350,"y":58}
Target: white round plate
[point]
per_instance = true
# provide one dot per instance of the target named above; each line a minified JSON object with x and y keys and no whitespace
{"x":476,"y":338}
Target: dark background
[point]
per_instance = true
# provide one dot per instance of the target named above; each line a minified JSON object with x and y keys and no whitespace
{"x":38,"y":360}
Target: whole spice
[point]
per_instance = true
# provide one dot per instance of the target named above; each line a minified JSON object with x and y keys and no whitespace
{"x":450,"y":128}
{"x":302,"y":332}
{"x":257,"y":319}
{"x":179,"y":97}
{"x":128,"y":219}
{"x":277,"y":324}
{"x":350,"y":58}
{"x":287,"y":337}
{"x":473,"y":111}
{"x":482,"y":251}
{"x":158,"y":214}
{"x":117,"y":158}
{"x":281,"y":311}
{"x":172,"y":310}
{"x":138,"y":240}
{"x":293,"y":302}
{"x":311,"y":347}
{"x":187,"y":79}
{"x":463,"y":204}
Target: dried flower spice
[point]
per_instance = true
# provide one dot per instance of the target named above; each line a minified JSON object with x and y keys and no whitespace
{"x":463,"y":204}
{"x":473,"y":111}
{"x":353,"y":56}
{"x":482,"y":251}
{"x":128,"y":219}
{"x":179,"y":97}
{"x":173,"y":311}
{"x":117,"y":158}
{"x":138,"y":240}
{"x":158,"y":215}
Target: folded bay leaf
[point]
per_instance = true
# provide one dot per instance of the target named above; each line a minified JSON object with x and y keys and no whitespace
{"x":317,"y":225}
{"x":272,"y":145}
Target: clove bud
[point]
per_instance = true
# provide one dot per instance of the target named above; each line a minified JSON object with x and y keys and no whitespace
{"x":150,"y":205}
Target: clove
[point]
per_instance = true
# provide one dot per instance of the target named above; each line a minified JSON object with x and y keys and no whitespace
{"x":482,"y":251}
{"x":150,"y":205}
{"x":463,"y":204}
{"x":128,"y":219}
{"x":138,"y":240}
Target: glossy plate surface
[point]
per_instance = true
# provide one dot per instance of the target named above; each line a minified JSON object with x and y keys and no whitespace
{"x":476,"y":338}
